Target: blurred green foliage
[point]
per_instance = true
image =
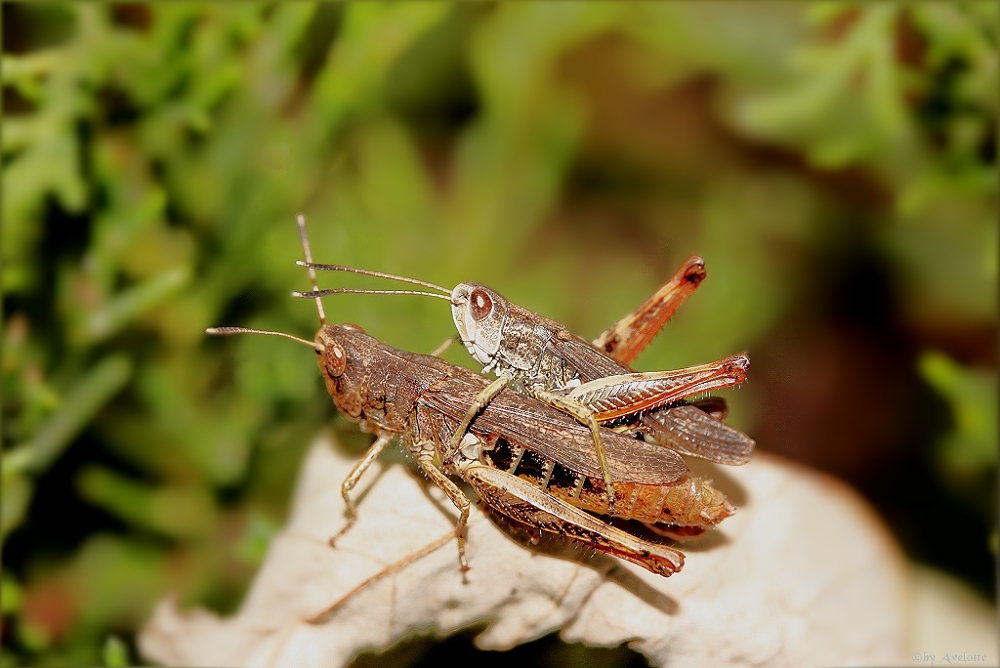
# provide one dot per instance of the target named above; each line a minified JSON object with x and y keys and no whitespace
{"x":966,"y":457}
{"x":834,"y":163}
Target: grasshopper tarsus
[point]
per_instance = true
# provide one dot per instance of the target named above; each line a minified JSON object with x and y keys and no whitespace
{"x":352,"y":518}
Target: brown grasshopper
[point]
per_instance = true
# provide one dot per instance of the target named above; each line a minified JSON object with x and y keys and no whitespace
{"x":540,"y":358}
{"x":530,"y":463}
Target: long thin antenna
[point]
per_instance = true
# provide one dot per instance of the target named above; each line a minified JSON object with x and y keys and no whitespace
{"x":376,"y":274}
{"x":304,"y":238}
{"x":223,"y":331}
{"x":316,"y":294}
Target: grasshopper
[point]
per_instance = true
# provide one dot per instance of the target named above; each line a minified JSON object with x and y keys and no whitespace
{"x":528,"y":462}
{"x":540,"y":358}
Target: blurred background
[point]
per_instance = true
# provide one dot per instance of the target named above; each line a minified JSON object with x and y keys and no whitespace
{"x":835,"y":165}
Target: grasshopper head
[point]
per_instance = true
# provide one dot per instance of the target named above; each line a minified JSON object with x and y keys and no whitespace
{"x":479,"y":314}
{"x":342,"y":363}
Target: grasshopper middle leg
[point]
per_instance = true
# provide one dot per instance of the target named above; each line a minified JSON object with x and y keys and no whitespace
{"x":351,"y":508}
{"x":585,"y":416}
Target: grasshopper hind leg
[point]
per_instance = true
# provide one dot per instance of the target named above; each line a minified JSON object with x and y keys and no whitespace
{"x":525,"y":504}
{"x":625,"y":339}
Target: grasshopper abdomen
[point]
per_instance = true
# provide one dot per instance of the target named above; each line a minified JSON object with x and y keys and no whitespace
{"x":690,"y":502}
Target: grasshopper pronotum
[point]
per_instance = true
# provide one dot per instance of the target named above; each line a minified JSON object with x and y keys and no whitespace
{"x":532,"y":464}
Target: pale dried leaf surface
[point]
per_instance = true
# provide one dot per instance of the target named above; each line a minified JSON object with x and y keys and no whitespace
{"x":804,"y":574}
{"x":951,"y":622}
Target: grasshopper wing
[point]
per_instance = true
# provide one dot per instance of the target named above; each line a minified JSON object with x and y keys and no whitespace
{"x":588,"y":361}
{"x":557,"y":436}
{"x":692,"y":431}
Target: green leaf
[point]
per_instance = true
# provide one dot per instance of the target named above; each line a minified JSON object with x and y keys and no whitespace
{"x":178,"y":512}
{"x":972,"y":395}
{"x":11,"y":594}
{"x":81,"y":403}
{"x":129,"y":304}
{"x":115,"y":652}
{"x":16,"y":495}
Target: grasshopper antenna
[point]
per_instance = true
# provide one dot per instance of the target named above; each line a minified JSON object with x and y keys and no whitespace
{"x":225,"y":331}
{"x":377,"y":274}
{"x":304,"y":238}
{"x":316,"y":292}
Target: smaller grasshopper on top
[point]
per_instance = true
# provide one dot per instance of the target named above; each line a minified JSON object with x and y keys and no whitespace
{"x":540,"y":358}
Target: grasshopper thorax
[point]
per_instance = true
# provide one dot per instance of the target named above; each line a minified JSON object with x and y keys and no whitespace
{"x":479,"y":314}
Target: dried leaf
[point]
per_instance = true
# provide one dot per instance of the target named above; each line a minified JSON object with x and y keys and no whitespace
{"x":804,"y":574}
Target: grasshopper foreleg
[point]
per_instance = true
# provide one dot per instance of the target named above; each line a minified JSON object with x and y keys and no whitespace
{"x":484,"y":397}
{"x":443,"y":347}
{"x":351,"y":508}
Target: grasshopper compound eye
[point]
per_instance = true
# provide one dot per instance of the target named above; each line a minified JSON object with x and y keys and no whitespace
{"x":480,"y":304}
{"x":336,"y":359}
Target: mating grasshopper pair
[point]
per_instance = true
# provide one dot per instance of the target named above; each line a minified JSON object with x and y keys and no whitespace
{"x":541,"y":359}
{"x":532,"y":464}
